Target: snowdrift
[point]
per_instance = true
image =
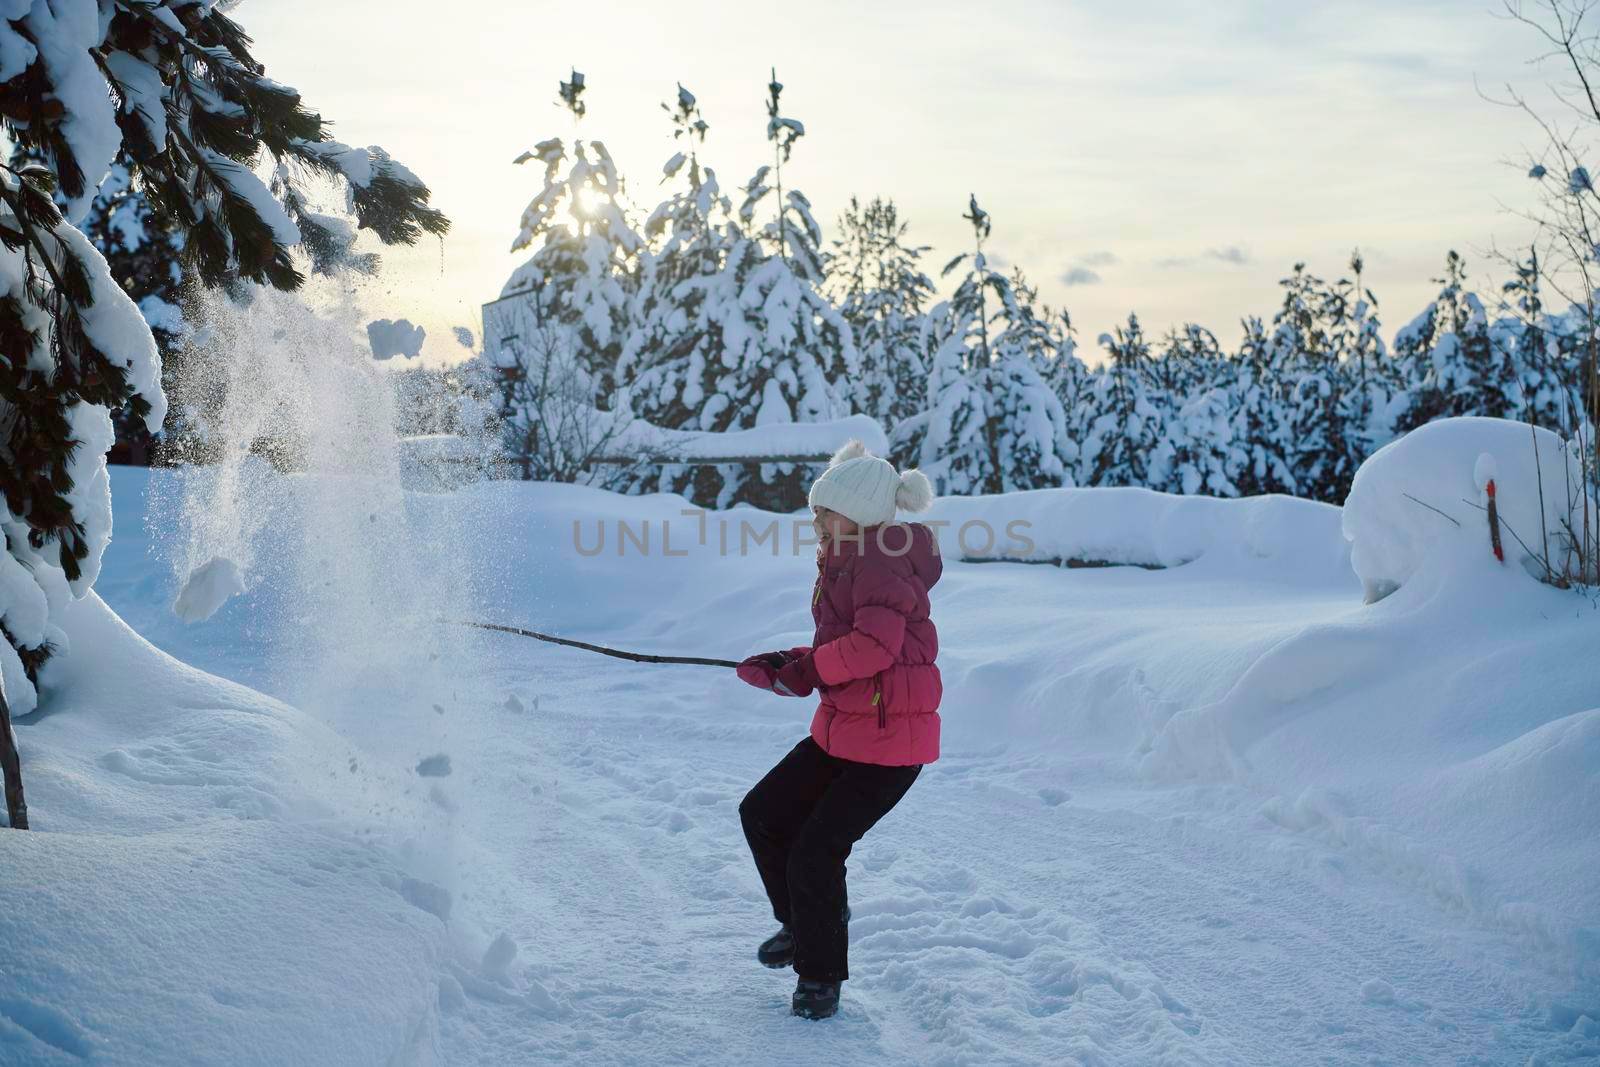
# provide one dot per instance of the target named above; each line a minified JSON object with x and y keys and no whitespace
{"x":195,"y":889}
{"x":1448,"y":727}
{"x":1420,"y":502}
{"x":1142,"y":528}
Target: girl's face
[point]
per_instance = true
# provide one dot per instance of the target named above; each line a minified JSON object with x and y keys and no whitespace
{"x":830,"y":525}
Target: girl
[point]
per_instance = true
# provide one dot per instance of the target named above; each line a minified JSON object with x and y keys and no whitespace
{"x":871,"y":662}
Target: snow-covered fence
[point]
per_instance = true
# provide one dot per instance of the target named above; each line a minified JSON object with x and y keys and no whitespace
{"x":781,"y":457}
{"x":775,"y":446}
{"x":438,"y":462}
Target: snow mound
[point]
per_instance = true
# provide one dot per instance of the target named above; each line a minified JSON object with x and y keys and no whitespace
{"x":186,"y":830}
{"x":1422,"y":498}
{"x":210,"y":586}
{"x":1144,"y":528}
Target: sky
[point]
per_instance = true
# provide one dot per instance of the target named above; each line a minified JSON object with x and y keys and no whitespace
{"x":1166,"y":157}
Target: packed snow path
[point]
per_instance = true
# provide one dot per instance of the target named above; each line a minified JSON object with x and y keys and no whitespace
{"x":1035,"y":899}
{"x":1013,"y":910}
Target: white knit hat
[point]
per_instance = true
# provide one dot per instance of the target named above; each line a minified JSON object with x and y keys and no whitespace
{"x":866,"y":490}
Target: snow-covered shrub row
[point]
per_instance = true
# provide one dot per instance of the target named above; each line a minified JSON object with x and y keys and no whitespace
{"x":702,"y":315}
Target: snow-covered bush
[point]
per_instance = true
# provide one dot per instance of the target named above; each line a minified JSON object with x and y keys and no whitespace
{"x":550,"y":424}
{"x":1421,"y":503}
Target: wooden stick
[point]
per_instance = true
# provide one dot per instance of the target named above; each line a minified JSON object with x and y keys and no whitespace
{"x":11,"y":764}
{"x":637,"y":657}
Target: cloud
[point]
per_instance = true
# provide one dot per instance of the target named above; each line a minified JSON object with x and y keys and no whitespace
{"x":1082,"y":271}
{"x":1232,"y":254}
{"x":398,"y":337}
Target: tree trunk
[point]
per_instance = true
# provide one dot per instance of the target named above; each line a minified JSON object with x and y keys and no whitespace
{"x":16,"y":807}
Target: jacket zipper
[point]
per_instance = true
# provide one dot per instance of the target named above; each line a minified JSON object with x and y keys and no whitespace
{"x":877,"y":700}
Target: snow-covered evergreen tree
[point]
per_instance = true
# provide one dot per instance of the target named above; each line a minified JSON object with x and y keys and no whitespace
{"x":577,"y":282}
{"x":1366,"y":410}
{"x":1063,"y":370}
{"x":792,"y":233}
{"x":877,"y":282}
{"x":669,"y":364}
{"x":1451,"y":366}
{"x":1304,"y":346}
{"x":1200,"y":435}
{"x":1260,"y":452}
{"x":175,"y":85}
{"x":994,"y":424}
{"x":1193,"y":392}
{"x":735,"y":333}
{"x":1126,"y":438}
{"x":1475,"y":376}
{"x":1546,"y":375}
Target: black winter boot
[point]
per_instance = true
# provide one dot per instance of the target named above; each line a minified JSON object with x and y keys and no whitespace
{"x":815,"y":1000}
{"x":777,"y":951}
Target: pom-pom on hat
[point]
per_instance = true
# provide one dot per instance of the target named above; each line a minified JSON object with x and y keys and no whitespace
{"x":867,"y":490}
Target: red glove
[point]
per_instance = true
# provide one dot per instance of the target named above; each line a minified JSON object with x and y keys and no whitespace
{"x":762,"y":670}
{"x":798,"y":677}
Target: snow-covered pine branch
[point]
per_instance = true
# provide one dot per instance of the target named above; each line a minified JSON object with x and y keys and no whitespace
{"x":173,"y":89}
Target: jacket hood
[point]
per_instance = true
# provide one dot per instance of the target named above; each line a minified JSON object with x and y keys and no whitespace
{"x":905,"y":547}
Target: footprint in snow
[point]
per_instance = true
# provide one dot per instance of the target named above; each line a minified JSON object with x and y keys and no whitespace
{"x":50,"y":1025}
{"x":433,"y":899}
{"x":497,"y":959}
{"x":1377,"y":991}
{"x":441,"y":800}
{"x":437,"y":766}
{"x":1054,"y":797}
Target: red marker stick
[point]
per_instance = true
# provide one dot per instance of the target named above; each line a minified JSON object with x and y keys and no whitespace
{"x":1494,"y":524}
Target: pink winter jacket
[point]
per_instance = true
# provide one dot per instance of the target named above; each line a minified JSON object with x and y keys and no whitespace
{"x":875,"y":647}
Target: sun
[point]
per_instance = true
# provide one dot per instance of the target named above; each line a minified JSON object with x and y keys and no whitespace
{"x":590,"y":201}
{"x":581,"y":210}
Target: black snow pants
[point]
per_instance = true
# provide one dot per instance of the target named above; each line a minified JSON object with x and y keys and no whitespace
{"x":801,"y":821}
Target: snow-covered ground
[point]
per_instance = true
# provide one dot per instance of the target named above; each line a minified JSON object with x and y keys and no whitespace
{"x":1218,"y":813}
